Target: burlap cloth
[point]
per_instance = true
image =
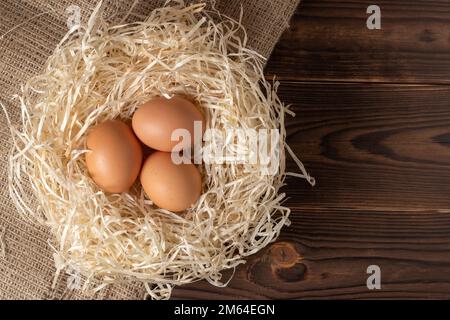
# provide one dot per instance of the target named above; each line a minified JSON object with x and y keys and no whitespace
{"x":29,"y":31}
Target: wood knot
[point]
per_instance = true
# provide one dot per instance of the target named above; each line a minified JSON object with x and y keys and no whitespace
{"x":284,"y":255}
{"x":278,"y":265}
{"x":285,"y":262}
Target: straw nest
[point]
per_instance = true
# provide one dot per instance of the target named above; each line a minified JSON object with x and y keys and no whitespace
{"x":101,"y":72}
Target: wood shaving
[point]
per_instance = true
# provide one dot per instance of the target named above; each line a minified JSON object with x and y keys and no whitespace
{"x":101,"y":72}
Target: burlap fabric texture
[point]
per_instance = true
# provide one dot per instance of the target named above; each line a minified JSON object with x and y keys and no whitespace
{"x":29,"y":31}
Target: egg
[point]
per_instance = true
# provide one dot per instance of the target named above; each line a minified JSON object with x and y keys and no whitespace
{"x":155,"y":121}
{"x":174,"y":187}
{"x":115,"y":156}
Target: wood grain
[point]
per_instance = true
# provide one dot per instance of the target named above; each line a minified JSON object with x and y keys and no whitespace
{"x":325,"y":254}
{"x":328,"y":41}
{"x":371,"y":147}
{"x":381,"y":157}
{"x":373,"y":128}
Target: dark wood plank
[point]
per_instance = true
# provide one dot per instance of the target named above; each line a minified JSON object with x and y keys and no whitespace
{"x":329,"y":41}
{"x":325,"y":254}
{"x":381,"y":157}
{"x":371,"y":147}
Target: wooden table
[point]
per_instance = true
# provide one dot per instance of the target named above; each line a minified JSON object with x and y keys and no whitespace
{"x":373,"y":128}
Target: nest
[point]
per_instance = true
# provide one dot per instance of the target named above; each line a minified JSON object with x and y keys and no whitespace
{"x":101,"y":72}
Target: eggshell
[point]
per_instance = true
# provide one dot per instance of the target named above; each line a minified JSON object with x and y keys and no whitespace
{"x":170,"y":186}
{"x":116,"y":156}
{"x":155,"y":121}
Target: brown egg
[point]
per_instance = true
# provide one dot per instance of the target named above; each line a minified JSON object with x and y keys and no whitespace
{"x":116,"y":156}
{"x":170,"y":186}
{"x":155,"y":121}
